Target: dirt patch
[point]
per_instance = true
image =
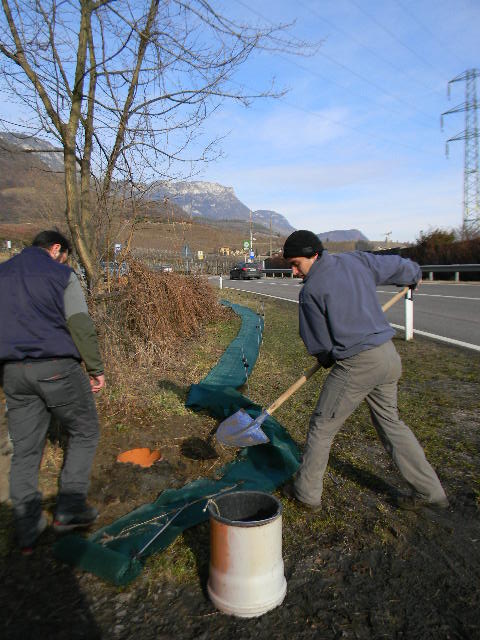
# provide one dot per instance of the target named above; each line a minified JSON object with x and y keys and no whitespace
{"x":420,"y":582}
{"x":359,"y":569}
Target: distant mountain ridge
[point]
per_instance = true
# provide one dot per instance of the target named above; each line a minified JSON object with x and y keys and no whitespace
{"x":45,"y":152}
{"x":25,"y":188}
{"x":342,"y":235}
{"x":279,"y":222}
{"x":214,"y":201}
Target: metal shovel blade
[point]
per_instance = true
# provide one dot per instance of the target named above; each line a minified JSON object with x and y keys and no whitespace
{"x":241,"y":430}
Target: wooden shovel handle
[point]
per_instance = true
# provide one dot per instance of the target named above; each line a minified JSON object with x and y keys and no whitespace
{"x":296,"y":385}
{"x":396,"y":298}
{"x":308,"y":374}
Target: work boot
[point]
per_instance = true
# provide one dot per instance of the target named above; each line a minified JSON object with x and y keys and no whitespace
{"x":30,"y":523}
{"x":73,"y":512}
{"x":64,"y":522}
{"x":413,"y":502}
{"x":27,"y":542}
{"x":288,"y":490}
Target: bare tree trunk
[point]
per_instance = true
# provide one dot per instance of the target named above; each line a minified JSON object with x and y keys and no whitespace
{"x":124,"y":93}
{"x":73,"y":205}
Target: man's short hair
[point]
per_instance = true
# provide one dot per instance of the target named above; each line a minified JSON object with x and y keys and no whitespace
{"x":46,"y":239}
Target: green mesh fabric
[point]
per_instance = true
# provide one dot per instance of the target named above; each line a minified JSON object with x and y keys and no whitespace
{"x":114,"y":553}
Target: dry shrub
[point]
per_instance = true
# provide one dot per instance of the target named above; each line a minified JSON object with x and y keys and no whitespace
{"x":143,"y":328}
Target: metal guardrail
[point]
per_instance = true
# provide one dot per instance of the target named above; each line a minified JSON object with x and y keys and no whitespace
{"x":456,"y":269}
{"x":429,"y":269}
{"x":280,"y":272}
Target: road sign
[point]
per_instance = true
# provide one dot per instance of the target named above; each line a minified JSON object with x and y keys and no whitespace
{"x":246,"y":245}
{"x":200,"y":255}
{"x":252,"y":254}
{"x":117,"y":247}
{"x":186,"y":253}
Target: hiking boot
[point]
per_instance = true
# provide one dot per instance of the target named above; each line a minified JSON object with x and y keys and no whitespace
{"x":415,"y":503}
{"x":288,"y":491}
{"x":75,"y":519}
{"x":27,"y":544}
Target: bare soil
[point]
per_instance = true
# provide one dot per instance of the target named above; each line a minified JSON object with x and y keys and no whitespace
{"x":359,"y":569}
{"x":422,"y":584}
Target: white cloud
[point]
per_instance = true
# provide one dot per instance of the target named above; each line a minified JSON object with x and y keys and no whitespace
{"x":403,"y":207}
{"x":290,"y":129}
{"x":261,"y":184}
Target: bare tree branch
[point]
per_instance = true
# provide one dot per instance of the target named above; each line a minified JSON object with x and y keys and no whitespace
{"x":123,"y":87}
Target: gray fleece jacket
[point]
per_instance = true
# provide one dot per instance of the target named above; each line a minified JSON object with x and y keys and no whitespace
{"x":340,"y":314}
{"x":81,"y":327}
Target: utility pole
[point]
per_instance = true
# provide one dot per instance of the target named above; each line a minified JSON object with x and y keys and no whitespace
{"x":471,"y":171}
{"x":270,"y":254}
{"x":251,"y":233}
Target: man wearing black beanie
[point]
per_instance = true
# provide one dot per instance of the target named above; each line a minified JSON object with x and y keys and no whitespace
{"x":342,"y":324}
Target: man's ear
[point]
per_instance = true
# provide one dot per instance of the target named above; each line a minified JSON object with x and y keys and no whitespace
{"x":54,"y":250}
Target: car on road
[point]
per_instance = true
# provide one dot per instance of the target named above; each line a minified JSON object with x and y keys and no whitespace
{"x":165,"y":268}
{"x":245,"y":271}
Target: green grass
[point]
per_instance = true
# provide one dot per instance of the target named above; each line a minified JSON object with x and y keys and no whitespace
{"x":438,"y":398}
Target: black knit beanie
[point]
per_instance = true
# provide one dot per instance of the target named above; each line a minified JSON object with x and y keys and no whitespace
{"x":303,"y":244}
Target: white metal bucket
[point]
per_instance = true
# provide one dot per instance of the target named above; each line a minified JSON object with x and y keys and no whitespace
{"x":246,"y":576}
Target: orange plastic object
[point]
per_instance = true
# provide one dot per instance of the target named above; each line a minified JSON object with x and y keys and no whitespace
{"x":143,"y":457}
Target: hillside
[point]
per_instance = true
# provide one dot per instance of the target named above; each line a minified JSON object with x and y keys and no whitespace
{"x":169,"y":236}
{"x":279,"y":222}
{"x":216,"y":202}
{"x":32,"y":197}
{"x":31,"y":190}
{"x":206,"y":216}
{"x":342,"y":235}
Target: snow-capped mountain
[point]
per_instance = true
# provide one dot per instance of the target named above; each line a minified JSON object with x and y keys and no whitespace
{"x":279,"y":222}
{"x":216,"y":202}
{"x":47,"y":153}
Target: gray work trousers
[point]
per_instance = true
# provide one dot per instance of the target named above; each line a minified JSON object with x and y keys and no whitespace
{"x":371,"y":375}
{"x":35,"y":391}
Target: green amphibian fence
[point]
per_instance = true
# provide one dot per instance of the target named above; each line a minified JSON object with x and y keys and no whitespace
{"x":117,"y":552}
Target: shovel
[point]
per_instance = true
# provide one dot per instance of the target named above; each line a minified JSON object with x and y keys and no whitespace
{"x":241,"y":430}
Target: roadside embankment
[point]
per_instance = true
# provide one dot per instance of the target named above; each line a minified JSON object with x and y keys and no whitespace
{"x":358,"y":569}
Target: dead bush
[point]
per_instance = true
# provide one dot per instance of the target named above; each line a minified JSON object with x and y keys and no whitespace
{"x":144,"y":326}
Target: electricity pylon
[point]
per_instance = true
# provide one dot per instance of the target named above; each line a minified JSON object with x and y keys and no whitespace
{"x":471,"y":172}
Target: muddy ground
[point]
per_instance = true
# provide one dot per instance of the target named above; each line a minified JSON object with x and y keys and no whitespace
{"x":379,"y":573}
{"x":423,"y":584}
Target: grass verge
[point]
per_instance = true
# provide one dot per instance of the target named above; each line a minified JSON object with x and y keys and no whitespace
{"x":438,"y":398}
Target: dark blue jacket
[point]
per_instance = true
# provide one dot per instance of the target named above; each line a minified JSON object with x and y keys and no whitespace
{"x":32,"y":315}
{"x":340,"y":314}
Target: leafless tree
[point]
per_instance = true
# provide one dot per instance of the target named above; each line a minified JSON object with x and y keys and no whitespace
{"x":123,"y":87}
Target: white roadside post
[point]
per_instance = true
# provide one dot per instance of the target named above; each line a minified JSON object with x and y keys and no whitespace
{"x":409,"y":315}
{"x":220,"y":285}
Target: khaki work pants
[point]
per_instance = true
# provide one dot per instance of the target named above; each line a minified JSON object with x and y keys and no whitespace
{"x":371,"y":375}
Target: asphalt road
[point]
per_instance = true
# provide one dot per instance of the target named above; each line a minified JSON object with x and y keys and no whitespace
{"x":449,"y":312}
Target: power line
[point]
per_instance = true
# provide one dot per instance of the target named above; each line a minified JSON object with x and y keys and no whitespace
{"x":349,"y":70}
{"x":427,"y":30}
{"x":364,"y":46}
{"x":395,"y":37}
{"x":341,"y":124}
{"x":348,"y":89}
{"x":373,"y":84}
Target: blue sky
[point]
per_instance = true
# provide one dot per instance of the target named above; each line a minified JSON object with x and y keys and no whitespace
{"x":356,"y":143}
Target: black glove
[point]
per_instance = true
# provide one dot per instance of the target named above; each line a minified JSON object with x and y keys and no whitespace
{"x":326,"y":360}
